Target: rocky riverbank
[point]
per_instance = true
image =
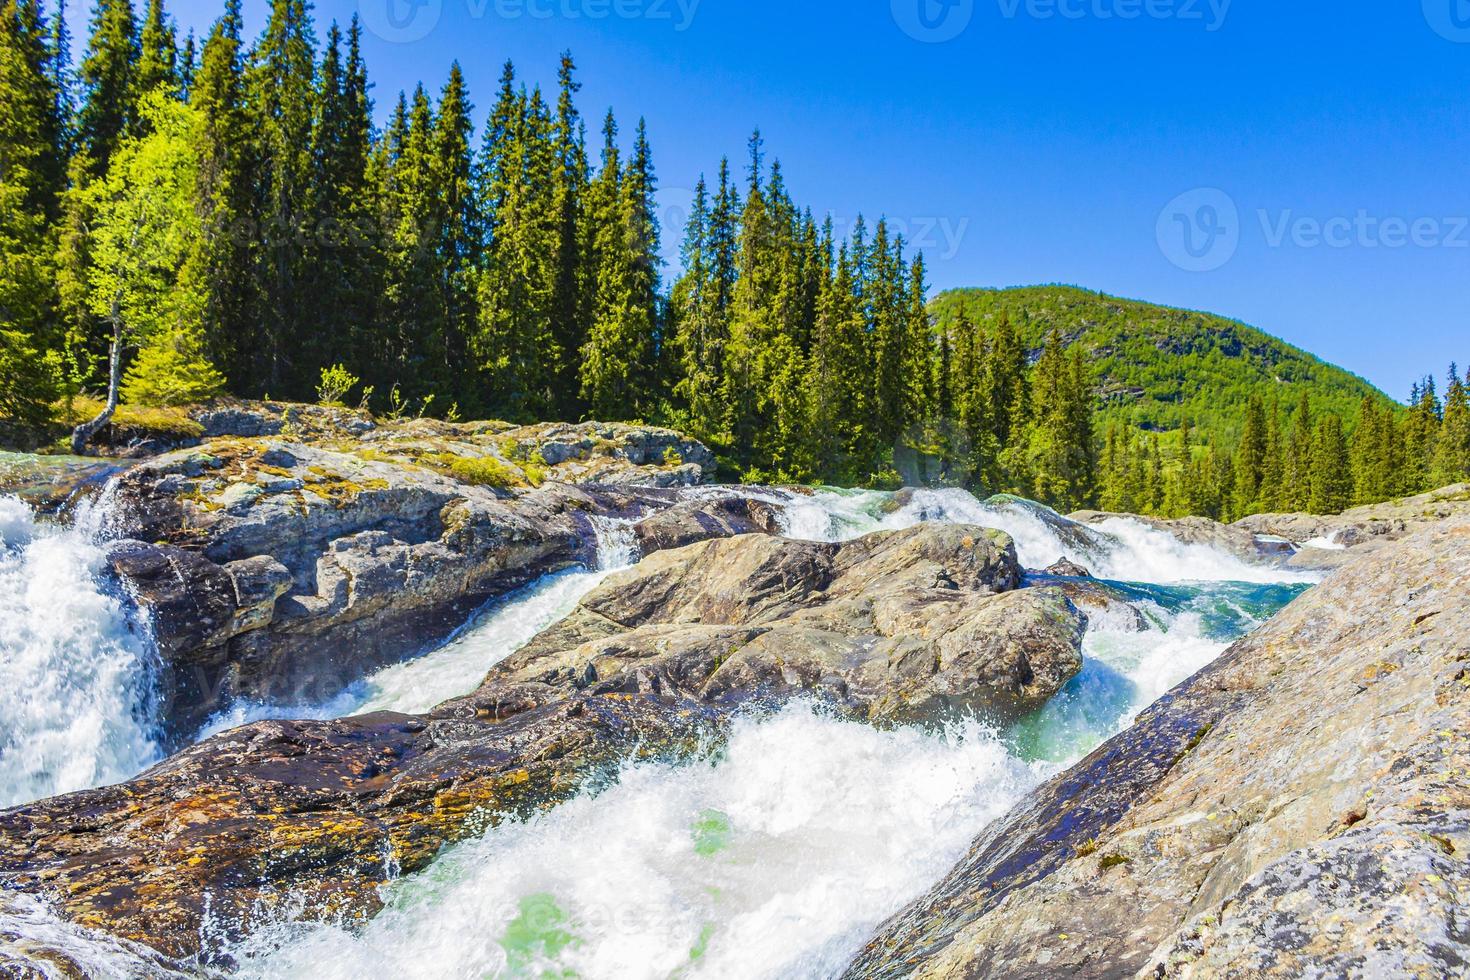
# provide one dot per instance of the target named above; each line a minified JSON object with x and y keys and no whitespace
{"x":1299,"y":807}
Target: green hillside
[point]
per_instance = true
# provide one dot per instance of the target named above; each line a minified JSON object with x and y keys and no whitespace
{"x":1157,"y":366}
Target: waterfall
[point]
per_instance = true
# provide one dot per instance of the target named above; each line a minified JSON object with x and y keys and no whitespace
{"x":617,"y":544}
{"x":778,"y":856}
{"x":76,"y":666}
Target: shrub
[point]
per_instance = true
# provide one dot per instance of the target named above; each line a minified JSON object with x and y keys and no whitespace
{"x":672,"y":458}
{"x":337,"y":383}
{"x":483,"y":472}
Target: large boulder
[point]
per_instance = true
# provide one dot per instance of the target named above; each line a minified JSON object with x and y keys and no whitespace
{"x":1297,"y":808}
{"x":371,"y":549}
{"x":314,"y":816}
{"x":899,"y":626}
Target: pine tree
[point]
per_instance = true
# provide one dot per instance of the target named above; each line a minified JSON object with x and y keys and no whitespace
{"x":572,"y":279}
{"x":108,"y":76}
{"x":31,"y":135}
{"x":1332,"y":479}
{"x":618,"y":356}
{"x":413,"y":311}
{"x":226,"y":197}
{"x":280,"y":82}
{"x":1250,"y":460}
{"x":158,"y":55}
{"x":1420,"y":432}
{"x":1452,"y":448}
{"x":837,"y":372}
{"x":342,"y":262}
{"x":460,"y":234}
{"x":1297,"y":482}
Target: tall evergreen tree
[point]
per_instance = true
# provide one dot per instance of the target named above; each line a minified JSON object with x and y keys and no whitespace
{"x":1452,"y":446}
{"x":30,"y":150}
{"x":280,"y":83}
{"x":1332,"y":478}
{"x":572,"y":285}
{"x":109,"y":88}
{"x":158,"y":55}
{"x":460,"y":237}
{"x":618,"y":356}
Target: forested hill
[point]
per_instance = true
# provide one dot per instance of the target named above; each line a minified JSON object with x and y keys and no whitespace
{"x":1157,"y":366}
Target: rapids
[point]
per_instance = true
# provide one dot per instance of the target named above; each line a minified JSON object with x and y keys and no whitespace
{"x":76,"y":665}
{"x":775,"y":856}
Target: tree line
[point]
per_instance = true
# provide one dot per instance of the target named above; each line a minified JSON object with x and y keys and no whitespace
{"x":1297,"y":460}
{"x":181,"y":219}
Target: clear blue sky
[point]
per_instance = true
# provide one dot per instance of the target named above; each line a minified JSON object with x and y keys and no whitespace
{"x":1048,"y":140}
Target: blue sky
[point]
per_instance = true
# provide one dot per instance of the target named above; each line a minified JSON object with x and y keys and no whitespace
{"x":1298,"y":165}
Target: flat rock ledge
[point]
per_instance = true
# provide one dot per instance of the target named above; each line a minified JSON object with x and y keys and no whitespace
{"x":1298,"y":808}
{"x":315,"y":816}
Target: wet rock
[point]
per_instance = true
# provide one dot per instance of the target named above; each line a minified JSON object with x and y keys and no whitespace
{"x":901,"y":626}
{"x":315,"y":816}
{"x":1067,"y":568}
{"x":699,"y":520}
{"x":284,"y":571}
{"x":1297,"y":808}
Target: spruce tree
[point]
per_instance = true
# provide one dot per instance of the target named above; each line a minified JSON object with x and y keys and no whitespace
{"x":108,"y":77}
{"x":1332,"y":479}
{"x":1452,"y":446}
{"x":158,"y":55}
{"x":227,"y":198}
{"x":1420,"y":433}
{"x":280,"y":83}
{"x":30,"y":151}
{"x":618,"y":356}
{"x":460,"y":234}
{"x":571,"y":297}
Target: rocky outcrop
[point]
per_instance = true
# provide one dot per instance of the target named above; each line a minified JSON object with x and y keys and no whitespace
{"x":281,"y":570}
{"x":1297,"y":808}
{"x":1328,"y":542}
{"x":902,"y":626}
{"x":906,"y":624}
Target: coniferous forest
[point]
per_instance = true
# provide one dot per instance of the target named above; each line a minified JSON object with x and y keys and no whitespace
{"x":186,"y":217}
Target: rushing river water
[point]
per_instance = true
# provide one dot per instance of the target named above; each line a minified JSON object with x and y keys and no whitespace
{"x":776,"y":858}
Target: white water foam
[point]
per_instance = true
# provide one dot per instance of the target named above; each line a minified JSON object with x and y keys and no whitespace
{"x":774,"y":861}
{"x":1120,"y":549}
{"x":76,"y":671}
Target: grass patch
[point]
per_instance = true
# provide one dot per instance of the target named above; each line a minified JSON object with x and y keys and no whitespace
{"x":1113,"y":860}
{"x":483,"y":472}
{"x":163,"y":421}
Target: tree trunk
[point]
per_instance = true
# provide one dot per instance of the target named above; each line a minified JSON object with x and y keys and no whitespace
{"x":83,"y":433}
